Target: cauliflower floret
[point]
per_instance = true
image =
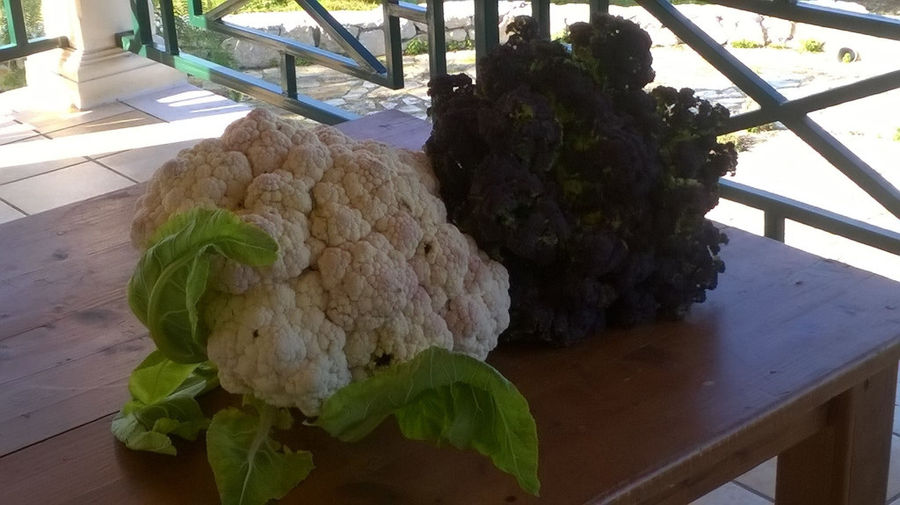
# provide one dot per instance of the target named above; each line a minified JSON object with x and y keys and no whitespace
{"x":275,"y":342}
{"x":368,"y":272}
{"x":206,"y":175}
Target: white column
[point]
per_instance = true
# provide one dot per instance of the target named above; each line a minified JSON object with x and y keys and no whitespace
{"x":94,"y":70}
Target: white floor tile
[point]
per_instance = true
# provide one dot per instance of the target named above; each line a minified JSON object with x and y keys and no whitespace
{"x":731,"y":494}
{"x":183,"y":102}
{"x":64,"y":186}
{"x":140,"y":164}
{"x":47,"y":121}
{"x":16,"y":166}
{"x":8,"y":213}
{"x":10,"y":131}
{"x":762,"y":478}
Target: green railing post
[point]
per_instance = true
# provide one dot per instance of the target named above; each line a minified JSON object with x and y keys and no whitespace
{"x":167,"y":15}
{"x":599,"y":6}
{"x":289,"y":75}
{"x":393,"y":51}
{"x":540,"y":11}
{"x":487,"y":19}
{"x":437,"y":43}
{"x":773,"y":226}
{"x":142,"y":21}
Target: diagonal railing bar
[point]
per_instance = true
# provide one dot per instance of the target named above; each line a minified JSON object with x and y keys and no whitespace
{"x":212,"y":20}
{"x":316,"y":55}
{"x":830,"y":98}
{"x":223,"y":9}
{"x":271,"y":93}
{"x":358,"y":62}
{"x":867,"y":24}
{"x":354,"y":48}
{"x":767,"y":97}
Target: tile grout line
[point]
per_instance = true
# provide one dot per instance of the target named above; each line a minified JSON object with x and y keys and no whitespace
{"x":143,"y":111}
{"x":14,"y":207}
{"x":113,"y":170}
{"x":751,"y":490}
{"x":57,"y":169}
{"x":86,"y":123}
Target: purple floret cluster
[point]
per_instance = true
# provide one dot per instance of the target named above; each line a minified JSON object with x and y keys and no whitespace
{"x":590,"y":190}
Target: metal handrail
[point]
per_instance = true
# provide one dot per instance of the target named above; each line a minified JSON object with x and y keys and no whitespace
{"x":20,"y":45}
{"x":773,"y":107}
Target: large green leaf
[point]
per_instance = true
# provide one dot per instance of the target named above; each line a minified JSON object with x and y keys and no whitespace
{"x":443,"y":397}
{"x":163,"y":404}
{"x":172,"y":275}
{"x":250,"y":467}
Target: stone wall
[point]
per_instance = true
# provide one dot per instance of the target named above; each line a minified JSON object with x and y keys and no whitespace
{"x":723,"y":24}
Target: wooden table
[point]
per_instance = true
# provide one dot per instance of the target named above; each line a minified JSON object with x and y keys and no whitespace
{"x":791,"y":355}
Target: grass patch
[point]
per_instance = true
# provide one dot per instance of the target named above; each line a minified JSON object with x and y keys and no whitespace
{"x":812,"y":46}
{"x":745,"y":44}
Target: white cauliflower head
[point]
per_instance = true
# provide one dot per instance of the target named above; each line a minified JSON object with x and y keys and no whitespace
{"x":369,"y":271}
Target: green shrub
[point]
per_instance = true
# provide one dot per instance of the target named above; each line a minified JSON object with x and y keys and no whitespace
{"x":897,"y":135}
{"x":34,"y":22}
{"x":416,"y":46}
{"x":12,"y":78}
{"x":812,"y":46}
{"x":202,"y":43}
{"x":456,"y":45}
{"x":745,"y":44}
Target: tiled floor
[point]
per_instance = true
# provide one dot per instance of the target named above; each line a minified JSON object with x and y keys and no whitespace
{"x":49,"y":159}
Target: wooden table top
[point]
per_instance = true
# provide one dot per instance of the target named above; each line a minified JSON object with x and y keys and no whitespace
{"x":646,"y":413}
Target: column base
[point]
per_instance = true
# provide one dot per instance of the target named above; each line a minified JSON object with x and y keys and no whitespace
{"x":74,"y":78}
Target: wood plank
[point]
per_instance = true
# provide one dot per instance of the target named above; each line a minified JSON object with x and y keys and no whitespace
{"x":63,"y":310}
{"x":70,"y":339}
{"x":846,"y":464}
{"x":619,"y":414}
{"x":613,"y":413}
{"x":41,"y":298}
{"x":391,"y":127}
{"x":44,"y":404}
{"x":65,"y":235}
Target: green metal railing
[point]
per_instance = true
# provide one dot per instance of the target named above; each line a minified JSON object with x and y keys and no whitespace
{"x":20,"y":45}
{"x":358,"y":61}
{"x":773,"y":107}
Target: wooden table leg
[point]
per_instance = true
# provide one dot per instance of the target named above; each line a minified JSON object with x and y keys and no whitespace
{"x":846,"y":463}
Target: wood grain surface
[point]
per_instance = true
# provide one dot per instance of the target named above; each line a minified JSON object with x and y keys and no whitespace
{"x":657,"y":414}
